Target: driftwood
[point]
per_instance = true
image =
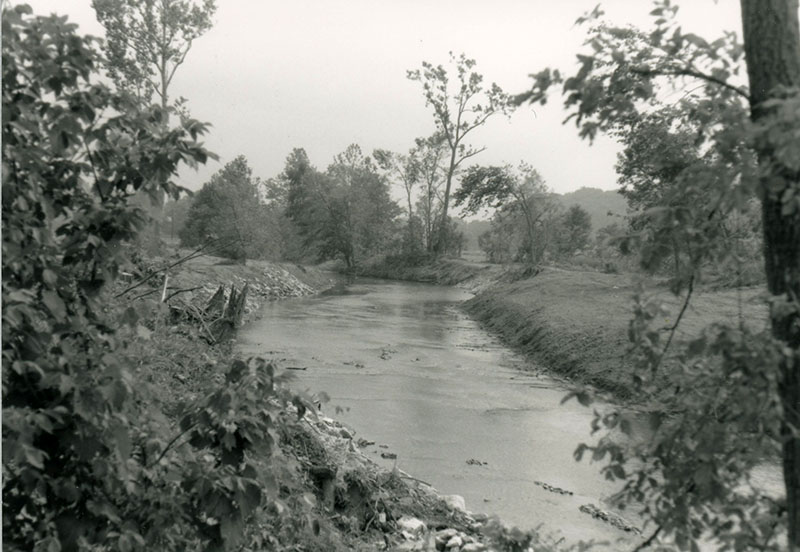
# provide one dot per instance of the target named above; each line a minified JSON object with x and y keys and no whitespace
{"x":225,"y":326}
{"x":216,"y":305}
{"x":220,"y":318}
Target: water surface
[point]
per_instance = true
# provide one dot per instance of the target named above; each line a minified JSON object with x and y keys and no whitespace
{"x":417,"y":375}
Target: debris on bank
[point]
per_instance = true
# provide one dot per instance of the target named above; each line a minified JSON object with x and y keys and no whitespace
{"x":552,"y":489}
{"x":389,"y":508}
{"x":201,"y":278}
{"x":610,"y":518}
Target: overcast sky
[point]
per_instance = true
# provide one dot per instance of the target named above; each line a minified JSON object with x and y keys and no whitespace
{"x":322,"y":74}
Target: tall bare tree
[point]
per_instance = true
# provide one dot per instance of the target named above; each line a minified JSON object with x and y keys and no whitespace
{"x":457,"y":111}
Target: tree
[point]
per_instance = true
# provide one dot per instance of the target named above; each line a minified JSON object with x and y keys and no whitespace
{"x":576,"y":227}
{"x":280,"y":227}
{"x":430,"y":152}
{"x":772,"y":52}
{"x":74,"y":153}
{"x":407,"y":168}
{"x":457,"y":113}
{"x":147,"y":40}
{"x":344,"y":212}
{"x":731,"y":379}
{"x":291,"y":183}
{"x":655,"y":155}
{"x":363,"y":199}
{"x":657,"y":171}
{"x":607,"y":248}
{"x":496,"y":243}
{"x":228,"y":208}
{"x":176,"y":215}
{"x":500,"y":187}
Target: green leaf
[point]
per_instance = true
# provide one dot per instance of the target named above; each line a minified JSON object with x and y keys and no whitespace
{"x":249,"y":499}
{"x":35,"y":457}
{"x":232,"y":530}
{"x":696,"y":40}
{"x":49,"y":277}
{"x":125,"y":543}
{"x":123,"y":440}
{"x":55,"y":305}
{"x":237,"y":370}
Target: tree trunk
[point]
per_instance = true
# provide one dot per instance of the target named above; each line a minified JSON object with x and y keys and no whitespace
{"x":529,"y":222}
{"x":772,"y":51}
{"x":165,"y":56}
{"x":440,"y":243}
{"x":410,"y":221}
{"x":429,"y":221}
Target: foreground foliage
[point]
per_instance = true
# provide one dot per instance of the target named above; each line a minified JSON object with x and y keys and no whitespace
{"x":729,"y":399}
{"x":89,"y":460}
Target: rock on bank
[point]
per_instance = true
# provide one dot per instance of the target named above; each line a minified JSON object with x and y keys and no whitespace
{"x":266,"y":280}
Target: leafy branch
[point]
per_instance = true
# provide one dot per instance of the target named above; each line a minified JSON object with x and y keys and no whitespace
{"x":691,"y":72}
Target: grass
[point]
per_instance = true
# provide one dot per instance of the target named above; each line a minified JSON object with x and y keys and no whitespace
{"x":575,"y":323}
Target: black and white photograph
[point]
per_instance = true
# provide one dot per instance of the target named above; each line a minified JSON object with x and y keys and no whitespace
{"x":400,"y":275}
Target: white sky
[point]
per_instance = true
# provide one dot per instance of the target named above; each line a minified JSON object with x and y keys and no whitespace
{"x":322,"y":74}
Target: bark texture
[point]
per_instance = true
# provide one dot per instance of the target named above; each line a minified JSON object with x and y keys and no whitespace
{"x":772,"y":51}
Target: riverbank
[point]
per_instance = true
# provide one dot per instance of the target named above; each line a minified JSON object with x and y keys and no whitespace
{"x":337,"y":498}
{"x":446,"y":271}
{"x":575,"y":323}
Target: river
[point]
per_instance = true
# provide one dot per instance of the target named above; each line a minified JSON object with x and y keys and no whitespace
{"x":416,"y":375}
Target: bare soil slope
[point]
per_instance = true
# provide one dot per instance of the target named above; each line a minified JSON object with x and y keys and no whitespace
{"x":575,"y":324}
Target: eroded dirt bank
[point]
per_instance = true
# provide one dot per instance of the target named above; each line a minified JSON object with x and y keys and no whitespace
{"x":575,"y":324}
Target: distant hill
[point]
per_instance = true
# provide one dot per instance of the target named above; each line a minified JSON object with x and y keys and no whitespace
{"x":597,"y":203}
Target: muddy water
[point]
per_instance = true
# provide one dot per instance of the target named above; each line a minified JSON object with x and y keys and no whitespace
{"x":416,"y":375}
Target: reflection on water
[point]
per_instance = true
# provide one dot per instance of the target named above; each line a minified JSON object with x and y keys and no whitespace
{"x":416,"y":374}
